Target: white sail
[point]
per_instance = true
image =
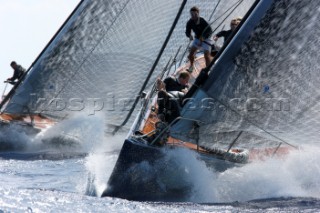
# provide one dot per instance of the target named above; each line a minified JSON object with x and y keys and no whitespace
{"x":100,"y":58}
{"x":265,"y":83}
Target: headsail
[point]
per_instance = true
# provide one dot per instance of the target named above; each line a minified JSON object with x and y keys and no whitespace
{"x":99,"y":59}
{"x":265,"y":83}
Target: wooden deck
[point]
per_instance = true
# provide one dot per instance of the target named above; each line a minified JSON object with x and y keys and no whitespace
{"x":38,"y":121}
{"x":152,"y":118}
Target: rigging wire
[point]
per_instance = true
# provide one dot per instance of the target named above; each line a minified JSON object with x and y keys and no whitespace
{"x":4,"y":90}
{"x":153,"y":66}
{"x":227,"y":106}
{"x":184,"y":53}
{"x":235,"y":5}
{"x":249,"y":121}
{"x":150,"y":95}
{"x":204,"y":72}
{"x":214,"y":10}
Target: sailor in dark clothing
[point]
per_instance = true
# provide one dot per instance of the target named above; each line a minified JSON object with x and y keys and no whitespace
{"x":174,"y":84}
{"x":226,"y":33}
{"x":202,"y":31}
{"x":17,"y":73}
{"x":170,"y":94}
{"x":171,"y":91}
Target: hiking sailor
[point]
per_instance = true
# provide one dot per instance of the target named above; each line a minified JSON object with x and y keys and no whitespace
{"x":226,"y":33}
{"x":202,"y":31}
{"x":17,"y":73}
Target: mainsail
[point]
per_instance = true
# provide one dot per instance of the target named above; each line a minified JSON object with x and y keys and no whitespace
{"x":265,"y":86}
{"x":100,"y":57}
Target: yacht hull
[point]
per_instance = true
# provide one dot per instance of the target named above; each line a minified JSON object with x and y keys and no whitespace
{"x":148,"y":173}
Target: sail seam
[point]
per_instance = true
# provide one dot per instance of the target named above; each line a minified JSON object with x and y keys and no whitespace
{"x":248,"y":120}
{"x":86,"y":58}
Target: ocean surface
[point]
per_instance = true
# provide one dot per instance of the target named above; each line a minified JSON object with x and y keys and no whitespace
{"x":39,"y":176}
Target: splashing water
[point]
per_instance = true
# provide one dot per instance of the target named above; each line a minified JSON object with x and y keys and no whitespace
{"x":271,"y":178}
{"x":74,"y":137}
{"x":100,"y":163}
{"x":81,"y":132}
{"x":289,"y":177}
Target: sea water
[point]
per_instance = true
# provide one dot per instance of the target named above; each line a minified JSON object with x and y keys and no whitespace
{"x":44,"y":178}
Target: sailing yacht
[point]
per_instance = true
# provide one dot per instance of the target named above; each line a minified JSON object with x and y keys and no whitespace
{"x":98,"y":60}
{"x":212,"y":122}
{"x":257,"y":99}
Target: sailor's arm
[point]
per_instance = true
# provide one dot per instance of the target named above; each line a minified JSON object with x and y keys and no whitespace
{"x":184,"y":90}
{"x":188,"y":30}
{"x":160,"y":85}
{"x":14,"y":77}
{"x":218,"y":35}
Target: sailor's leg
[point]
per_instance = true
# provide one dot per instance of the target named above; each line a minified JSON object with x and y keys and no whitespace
{"x":12,"y":82}
{"x":206,"y":46}
{"x":207,"y":57}
{"x":191,"y":57}
{"x":162,"y":100}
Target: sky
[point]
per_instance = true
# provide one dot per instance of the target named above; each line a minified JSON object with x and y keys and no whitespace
{"x":26,"y":26}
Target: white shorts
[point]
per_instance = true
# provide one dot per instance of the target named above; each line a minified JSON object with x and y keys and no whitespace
{"x":204,"y":45}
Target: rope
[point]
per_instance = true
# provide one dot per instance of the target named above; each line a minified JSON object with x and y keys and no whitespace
{"x":235,"y":5}
{"x":214,"y":10}
{"x":5,"y":88}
